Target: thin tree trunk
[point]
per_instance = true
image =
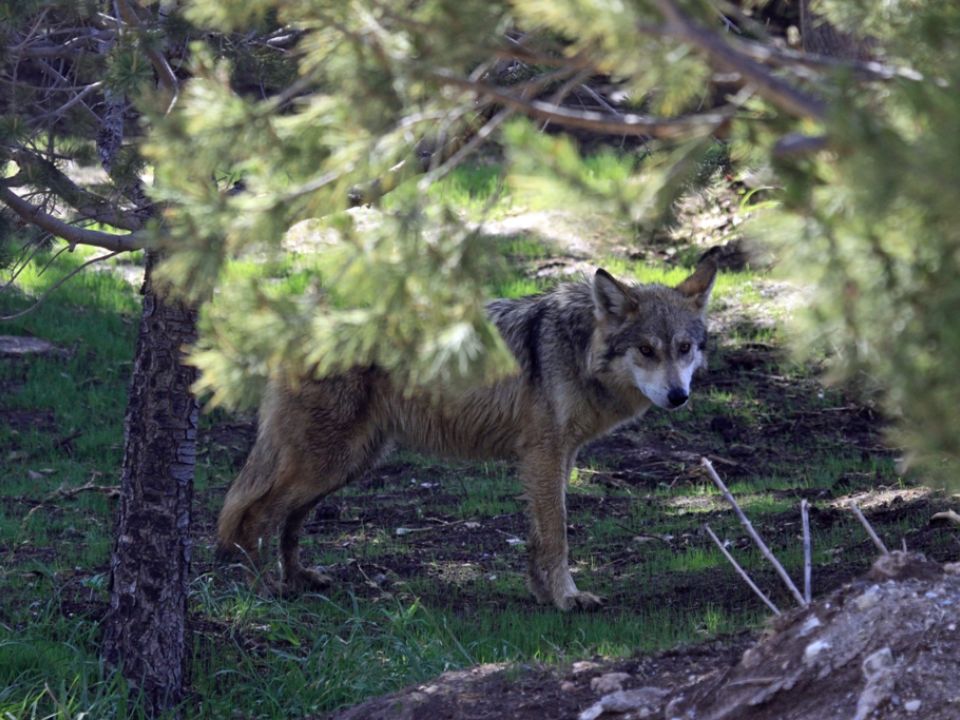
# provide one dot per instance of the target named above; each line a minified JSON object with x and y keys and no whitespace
{"x":820,"y":37}
{"x":145,"y":633}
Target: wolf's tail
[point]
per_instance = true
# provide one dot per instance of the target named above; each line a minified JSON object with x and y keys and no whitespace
{"x":254,"y":481}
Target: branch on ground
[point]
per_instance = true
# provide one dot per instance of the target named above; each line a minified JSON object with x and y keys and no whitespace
{"x":740,"y":571}
{"x":754,"y":535}
{"x":869,"y":528}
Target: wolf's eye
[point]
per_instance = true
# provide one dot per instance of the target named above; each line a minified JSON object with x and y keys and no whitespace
{"x":684,"y":348}
{"x":646,"y":351}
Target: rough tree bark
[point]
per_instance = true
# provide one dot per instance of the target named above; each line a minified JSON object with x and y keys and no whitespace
{"x":145,"y":634}
{"x":820,"y":37}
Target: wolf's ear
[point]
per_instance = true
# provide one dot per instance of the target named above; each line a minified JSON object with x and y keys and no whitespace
{"x":697,"y":287}
{"x":611,"y":298}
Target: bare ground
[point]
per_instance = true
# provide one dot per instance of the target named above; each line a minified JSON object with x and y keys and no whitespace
{"x":884,"y":646}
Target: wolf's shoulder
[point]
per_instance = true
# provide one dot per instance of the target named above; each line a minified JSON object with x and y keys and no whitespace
{"x":536,"y":327}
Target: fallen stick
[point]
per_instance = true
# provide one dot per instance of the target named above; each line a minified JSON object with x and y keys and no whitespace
{"x":869,"y":528}
{"x":949,"y":516}
{"x":807,"y":559}
{"x":743,"y":573}
{"x":745,"y":521}
{"x":65,"y":492}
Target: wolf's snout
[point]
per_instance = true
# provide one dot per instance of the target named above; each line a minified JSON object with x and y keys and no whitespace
{"x":677,"y":397}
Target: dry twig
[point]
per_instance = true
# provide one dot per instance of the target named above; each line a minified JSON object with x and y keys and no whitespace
{"x":745,"y":521}
{"x":807,"y":555}
{"x":741,"y":571}
{"x":65,"y":492}
{"x":869,"y":528}
{"x":949,"y":516}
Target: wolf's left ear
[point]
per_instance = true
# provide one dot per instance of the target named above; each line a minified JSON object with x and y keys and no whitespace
{"x":697,"y":287}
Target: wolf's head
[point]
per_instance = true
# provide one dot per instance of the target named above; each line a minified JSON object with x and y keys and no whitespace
{"x":651,"y":337}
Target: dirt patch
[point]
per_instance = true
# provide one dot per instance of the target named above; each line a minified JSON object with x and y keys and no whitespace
{"x":22,"y":420}
{"x":531,"y":692}
{"x":884,"y":646}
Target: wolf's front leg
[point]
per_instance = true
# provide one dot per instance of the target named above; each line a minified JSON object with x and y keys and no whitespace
{"x":544,"y":475}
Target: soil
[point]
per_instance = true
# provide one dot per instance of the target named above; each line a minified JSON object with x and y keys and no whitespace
{"x":882,"y":647}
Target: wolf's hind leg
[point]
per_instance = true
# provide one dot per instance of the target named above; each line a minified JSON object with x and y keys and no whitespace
{"x":544,"y":475}
{"x":335,"y":463}
{"x":297,"y":578}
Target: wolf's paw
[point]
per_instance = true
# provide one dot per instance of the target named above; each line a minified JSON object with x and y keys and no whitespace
{"x":580,"y":601}
{"x":305,"y":580}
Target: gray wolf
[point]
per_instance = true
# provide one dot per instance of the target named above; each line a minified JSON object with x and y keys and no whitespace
{"x":590,"y":355}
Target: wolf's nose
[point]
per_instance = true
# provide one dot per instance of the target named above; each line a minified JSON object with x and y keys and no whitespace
{"x":676,"y":397}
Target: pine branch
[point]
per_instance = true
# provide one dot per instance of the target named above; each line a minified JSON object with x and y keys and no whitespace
{"x":782,"y":57}
{"x":168,"y":80}
{"x":71,"y":233}
{"x":62,"y":281}
{"x":36,"y":170}
{"x":626,"y":124}
{"x":780,"y":93}
{"x":793,"y":144}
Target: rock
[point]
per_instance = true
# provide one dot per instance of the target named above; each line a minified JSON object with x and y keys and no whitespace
{"x":903,"y":566}
{"x":609,"y":682}
{"x":814,"y":649}
{"x":584,"y":666}
{"x":640,"y":703}
{"x":878,"y":670}
{"x":870,"y":598}
{"x":20,"y":346}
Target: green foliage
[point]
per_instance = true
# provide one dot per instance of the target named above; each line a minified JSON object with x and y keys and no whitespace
{"x":874,"y":230}
{"x":407,"y":294}
{"x":349,"y":314}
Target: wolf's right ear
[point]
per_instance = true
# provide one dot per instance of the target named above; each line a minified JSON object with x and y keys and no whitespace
{"x":611,"y":298}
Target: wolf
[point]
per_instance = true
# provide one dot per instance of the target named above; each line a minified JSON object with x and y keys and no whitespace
{"x":590,"y":356}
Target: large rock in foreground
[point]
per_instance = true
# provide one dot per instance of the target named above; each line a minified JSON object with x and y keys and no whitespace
{"x":886,"y":646}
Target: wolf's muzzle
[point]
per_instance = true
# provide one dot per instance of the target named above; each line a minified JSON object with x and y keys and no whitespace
{"x":677,"y":397}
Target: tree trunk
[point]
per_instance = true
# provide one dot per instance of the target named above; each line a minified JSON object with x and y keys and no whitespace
{"x":819,"y":36}
{"x":145,"y":633}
